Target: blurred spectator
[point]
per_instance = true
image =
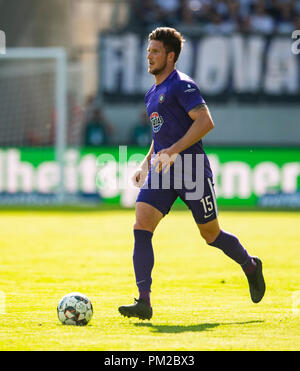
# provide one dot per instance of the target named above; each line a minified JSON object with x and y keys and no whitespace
{"x":235,"y":14}
{"x":218,"y":16}
{"x":245,"y":25}
{"x":97,"y":130}
{"x":141,"y":134}
{"x":297,"y":7}
{"x":153,"y":13}
{"x":296,"y":22}
{"x":219,"y":26}
{"x":169,"y":11}
{"x":260,"y":21}
{"x":285,"y":20}
{"x":221,"y":8}
{"x":272,"y":8}
{"x":196,"y":11}
{"x":144,"y":14}
{"x":245,"y":7}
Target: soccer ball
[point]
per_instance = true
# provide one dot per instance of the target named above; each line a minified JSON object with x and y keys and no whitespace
{"x":75,"y":309}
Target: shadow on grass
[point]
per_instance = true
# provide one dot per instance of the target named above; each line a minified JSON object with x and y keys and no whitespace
{"x":173,"y":329}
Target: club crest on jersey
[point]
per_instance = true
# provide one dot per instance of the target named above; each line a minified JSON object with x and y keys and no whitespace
{"x":161,"y":98}
{"x":156,"y":121}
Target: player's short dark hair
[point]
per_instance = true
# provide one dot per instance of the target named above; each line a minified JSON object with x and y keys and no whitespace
{"x":171,"y":38}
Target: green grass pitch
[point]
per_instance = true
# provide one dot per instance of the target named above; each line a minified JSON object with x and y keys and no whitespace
{"x":200,"y":297}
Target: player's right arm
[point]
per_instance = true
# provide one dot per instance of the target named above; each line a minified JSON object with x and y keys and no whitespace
{"x":202,"y":125}
{"x":141,"y":173}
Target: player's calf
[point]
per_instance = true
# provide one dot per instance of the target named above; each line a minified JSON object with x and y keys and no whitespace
{"x":252,"y":266}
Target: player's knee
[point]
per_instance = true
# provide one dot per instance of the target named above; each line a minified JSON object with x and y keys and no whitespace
{"x":140,"y":225}
{"x":137,"y":225}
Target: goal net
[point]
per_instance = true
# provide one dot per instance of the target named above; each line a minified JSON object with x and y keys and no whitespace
{"x":33,"y":124}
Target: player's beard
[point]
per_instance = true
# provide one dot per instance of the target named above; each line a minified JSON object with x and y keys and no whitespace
{"x":158,"y":70}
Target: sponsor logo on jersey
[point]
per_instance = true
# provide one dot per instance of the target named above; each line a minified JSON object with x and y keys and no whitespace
{"x":156,"y":121}
{"x":190,"y":89}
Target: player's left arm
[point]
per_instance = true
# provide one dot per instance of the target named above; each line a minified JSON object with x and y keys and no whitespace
{"x":202,"y":124}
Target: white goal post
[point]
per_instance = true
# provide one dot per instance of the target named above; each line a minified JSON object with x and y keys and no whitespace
{"x":59,"y":58}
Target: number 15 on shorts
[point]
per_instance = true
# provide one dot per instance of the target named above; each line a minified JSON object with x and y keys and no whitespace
{"x":208,"y":206}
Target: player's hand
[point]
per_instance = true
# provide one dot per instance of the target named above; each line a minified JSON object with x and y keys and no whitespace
{"x":164,"y":159}
{"x":139,"y":177}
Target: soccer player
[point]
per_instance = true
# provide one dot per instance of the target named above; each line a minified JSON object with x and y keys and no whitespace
{"x":180,"y":119}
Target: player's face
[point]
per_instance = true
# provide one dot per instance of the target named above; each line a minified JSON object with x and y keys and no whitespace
{"x":157,"y":57}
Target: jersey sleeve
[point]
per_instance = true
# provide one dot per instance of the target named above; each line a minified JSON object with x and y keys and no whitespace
{"x":188,"y":95}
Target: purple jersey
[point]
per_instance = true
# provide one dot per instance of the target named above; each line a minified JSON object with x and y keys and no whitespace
{"x":168,"y":105}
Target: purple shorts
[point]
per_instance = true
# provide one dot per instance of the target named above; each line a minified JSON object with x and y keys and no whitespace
{"x":162,"y":197}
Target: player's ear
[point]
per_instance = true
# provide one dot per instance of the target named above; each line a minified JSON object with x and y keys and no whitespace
{"x":171,"y":57}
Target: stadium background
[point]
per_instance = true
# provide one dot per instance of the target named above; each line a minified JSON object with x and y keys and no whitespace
{"x":240,"y":54}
